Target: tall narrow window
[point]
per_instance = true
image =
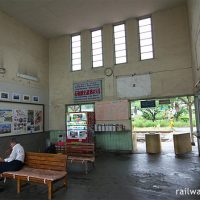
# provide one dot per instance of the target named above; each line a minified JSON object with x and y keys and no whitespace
{"x":76,"y":52}
{"x":97,"y":56}
{"x":120,"y":44}
{"x":145,"y":34}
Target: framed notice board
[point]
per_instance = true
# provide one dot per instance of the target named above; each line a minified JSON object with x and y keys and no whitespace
{"x":20,"y":118}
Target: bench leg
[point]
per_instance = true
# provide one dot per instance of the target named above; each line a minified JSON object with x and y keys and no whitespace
{"x":86,"y":167}
{"x":65,"y":181}
{"x":50,"y":190}
{"x":18,"y":185}
{"x":93,"y":165}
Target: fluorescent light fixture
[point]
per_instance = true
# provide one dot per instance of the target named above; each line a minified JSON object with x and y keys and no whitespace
{"x":28,"y":77}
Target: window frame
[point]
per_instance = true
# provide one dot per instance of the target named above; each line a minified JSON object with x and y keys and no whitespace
{"x":152,"y":38}
{"x":73,"y":35}
{"x":79,"y":104}
{"x":102,"y":39}
{"x":126,"y":45}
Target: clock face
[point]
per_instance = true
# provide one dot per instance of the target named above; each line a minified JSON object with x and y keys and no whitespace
{"x":108,"y":71}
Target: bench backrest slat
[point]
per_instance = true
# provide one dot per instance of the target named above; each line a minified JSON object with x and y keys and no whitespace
{"x":49,"y":161}
{"x":82,"y":150}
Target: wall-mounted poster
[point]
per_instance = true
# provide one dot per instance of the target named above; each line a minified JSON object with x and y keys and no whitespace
{"x":20,"y":118}
{"x":5,"y":128}
{"x":38,"y":120}
{"x":88,"y":90}
{"x":5,"y":116}
{"x":30,"y":121}
{"x":5,"y":121}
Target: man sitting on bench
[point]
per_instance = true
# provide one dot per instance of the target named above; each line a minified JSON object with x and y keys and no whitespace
{"x":15,"y":161}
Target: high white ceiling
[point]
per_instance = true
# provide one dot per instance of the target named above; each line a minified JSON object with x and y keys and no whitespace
{"x":52,"y":18}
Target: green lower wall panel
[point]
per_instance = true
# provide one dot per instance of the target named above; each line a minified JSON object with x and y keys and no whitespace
{"x":54,"y":135}
{"x":114,"y":141}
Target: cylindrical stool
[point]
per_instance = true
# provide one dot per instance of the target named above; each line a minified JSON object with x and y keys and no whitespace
{"x":153,"y":143}
{"x":182,"y":143}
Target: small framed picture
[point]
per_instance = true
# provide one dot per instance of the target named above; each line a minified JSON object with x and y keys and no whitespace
{"x":16,"y":97}
{"x":35,"y":98}
{"x":4,"y":95}
{"x":26,"y":98}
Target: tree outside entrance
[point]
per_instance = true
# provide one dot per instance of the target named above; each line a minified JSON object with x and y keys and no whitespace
{"x":164,"y":115}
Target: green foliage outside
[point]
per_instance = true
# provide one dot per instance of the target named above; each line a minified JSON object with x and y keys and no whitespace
{"x":171,"y":115}
{"x":141,"y":123}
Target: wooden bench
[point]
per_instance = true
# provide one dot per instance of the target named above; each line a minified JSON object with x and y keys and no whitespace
{"x":43,"y":168}
{"x":79,"y":152}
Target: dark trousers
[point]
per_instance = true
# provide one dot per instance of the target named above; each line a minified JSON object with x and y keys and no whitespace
{"x":14,"y":165}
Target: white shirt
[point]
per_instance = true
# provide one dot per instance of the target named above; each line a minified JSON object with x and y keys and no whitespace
{"x":16,"y":154}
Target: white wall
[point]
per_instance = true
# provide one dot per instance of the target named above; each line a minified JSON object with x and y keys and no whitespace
{"x":22,"y":50}
{"x":171,"y":70}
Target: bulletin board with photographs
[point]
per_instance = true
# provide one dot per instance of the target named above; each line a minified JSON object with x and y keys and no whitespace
{"x":21,"y":118}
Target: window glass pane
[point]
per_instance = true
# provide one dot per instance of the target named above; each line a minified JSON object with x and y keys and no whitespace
{"x":97,"y":45}
{"x":145,"y":56}
{"x":96,"y":33}
{"x":145,"y":28}
{"x":74,"y":108}
{"x":120,"y":60}
{"x":120,"y":47}
{"x":120,"y":27}
{"x":76,"y":38}
{"x":120,"y":53}
{"x":75,"y":50}
{"x":145,"y":42}
{"x":120,"y":40}
{"x":97,"y":51}
{"x":76,"y":44}
{"x":144,"y":22}
{"x":96,"y":39}
{"x":98,"y":63}
{"x":97,"y":57}
{"x":146,"y":49}
{"x":76,"y":55}
{"x":87,"y":108}
{"x":76,"y":61}
{"x":145,"y":35}
{"x":119,"y":34}
{"x":76,"y":67}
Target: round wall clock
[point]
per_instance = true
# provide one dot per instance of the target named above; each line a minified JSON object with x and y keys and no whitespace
{"x":108,"y":71}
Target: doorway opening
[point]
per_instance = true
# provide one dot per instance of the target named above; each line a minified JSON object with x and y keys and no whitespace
{"x":166,"y":117}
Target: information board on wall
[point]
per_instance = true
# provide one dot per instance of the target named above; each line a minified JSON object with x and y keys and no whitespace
{"x":87,"y":90}
{"x":20,"y":118}
{"x":134,"y":86}
{"x":112,"y":110}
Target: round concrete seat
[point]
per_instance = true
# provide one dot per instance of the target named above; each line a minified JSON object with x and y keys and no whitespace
{"x":153,"y":143}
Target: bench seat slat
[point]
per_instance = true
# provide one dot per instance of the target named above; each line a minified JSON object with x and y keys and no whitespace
{"x":28,"y":172}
